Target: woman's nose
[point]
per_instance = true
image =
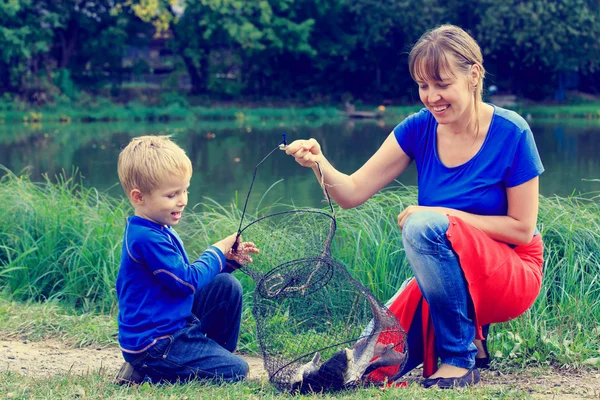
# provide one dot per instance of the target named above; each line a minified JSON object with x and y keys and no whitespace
{"x":433,"y":96}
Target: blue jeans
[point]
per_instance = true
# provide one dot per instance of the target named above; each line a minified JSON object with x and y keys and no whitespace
{"x":203,"y":349}
{"x":442,"y":282}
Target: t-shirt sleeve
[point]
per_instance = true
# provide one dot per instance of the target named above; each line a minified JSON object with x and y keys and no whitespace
{"x":405,"y":133}
{"x":526,"y":163}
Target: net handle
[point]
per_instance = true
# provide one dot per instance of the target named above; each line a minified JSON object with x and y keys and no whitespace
{"x":280,"y":146}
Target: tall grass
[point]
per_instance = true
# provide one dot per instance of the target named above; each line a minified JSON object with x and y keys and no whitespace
{"x":61,"y":241}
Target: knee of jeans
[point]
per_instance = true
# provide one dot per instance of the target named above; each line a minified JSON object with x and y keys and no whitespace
{"x":230,"y":284}
{"x":424,"y":227}
{"x":242,"y":369}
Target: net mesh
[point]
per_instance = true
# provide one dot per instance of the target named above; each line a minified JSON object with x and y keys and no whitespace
{"x":319,"y":329}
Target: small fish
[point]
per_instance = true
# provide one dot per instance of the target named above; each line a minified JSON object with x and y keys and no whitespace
{"x":367,"y":347}
{"x":387,"y":356}
{"x":348,"y":367}
{"x":329,"y":376}
{"x":332,"y":374}
{"x":305,"y":370}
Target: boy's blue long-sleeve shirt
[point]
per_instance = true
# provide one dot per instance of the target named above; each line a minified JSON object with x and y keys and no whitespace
{"x":156,"y":283}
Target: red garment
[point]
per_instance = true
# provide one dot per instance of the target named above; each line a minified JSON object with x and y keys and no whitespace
{"x":503,"y":283}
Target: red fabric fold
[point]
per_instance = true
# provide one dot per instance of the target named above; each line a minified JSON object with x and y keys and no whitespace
{"x":503,"y":283}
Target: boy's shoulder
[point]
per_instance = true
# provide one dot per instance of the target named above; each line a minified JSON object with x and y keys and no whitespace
{"x":142,"y":234}
{"x":140,"y":230}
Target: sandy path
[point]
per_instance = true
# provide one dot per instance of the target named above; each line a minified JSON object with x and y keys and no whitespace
{"x":51,"y":358}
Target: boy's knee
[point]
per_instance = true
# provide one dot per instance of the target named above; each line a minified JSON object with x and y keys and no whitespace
{"x":244,"y":368}
{"x":240,"y":370}
{"x":424,"y":226}
{"x":229,"y":283}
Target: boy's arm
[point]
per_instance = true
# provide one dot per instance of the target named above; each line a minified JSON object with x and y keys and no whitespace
{"x":170,"y":268}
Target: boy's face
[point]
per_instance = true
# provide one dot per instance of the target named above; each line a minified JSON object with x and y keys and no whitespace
{"x":165,"y":204}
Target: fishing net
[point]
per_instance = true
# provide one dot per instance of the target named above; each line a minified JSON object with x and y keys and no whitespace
{"x":319,"y":329}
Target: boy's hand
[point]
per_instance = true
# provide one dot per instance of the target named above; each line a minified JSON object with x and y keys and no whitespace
{"x":242,"y":254}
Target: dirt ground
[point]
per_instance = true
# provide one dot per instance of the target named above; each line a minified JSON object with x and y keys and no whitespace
{"x":49,"y":358}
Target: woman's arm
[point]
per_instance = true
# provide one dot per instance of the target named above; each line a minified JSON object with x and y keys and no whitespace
{"x":352,"y":190}
{"x":517,"y":227}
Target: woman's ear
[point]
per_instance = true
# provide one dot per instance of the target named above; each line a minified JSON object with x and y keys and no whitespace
{"x":475,"y":74}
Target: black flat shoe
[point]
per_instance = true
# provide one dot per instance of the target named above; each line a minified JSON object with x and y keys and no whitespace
{"x":484,"y":362}
{"x":472,"y":377}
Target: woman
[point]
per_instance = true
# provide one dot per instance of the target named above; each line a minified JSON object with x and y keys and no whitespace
{"x":471,"y":241}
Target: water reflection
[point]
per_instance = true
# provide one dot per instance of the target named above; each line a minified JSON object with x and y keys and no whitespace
{"x":224,"y":157}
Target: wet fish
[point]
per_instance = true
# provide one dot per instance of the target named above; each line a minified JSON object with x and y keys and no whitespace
{"x":348,"y":367}
{"x":367,"y":347}
{"x":304,"y":371}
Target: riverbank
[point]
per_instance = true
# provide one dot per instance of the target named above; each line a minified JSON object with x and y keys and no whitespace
{"x":178,"y":108}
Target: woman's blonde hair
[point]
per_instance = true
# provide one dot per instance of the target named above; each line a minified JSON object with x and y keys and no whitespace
{"x":429,"y":58}
{"x":147,"y":161}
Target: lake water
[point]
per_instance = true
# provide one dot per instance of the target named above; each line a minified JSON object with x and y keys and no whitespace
{"x":224,"y":155}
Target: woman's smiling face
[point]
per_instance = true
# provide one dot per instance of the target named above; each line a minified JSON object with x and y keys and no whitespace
{"x":448,"y":94}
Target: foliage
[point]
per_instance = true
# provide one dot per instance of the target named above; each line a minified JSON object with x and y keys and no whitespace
{"x":534,"y":41}
{"x":326,"y":50}
{"x":23,"y":42}
{"x":230,"y":29}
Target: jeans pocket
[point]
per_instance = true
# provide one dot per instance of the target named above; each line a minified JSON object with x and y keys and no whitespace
{"x":161,"y":348}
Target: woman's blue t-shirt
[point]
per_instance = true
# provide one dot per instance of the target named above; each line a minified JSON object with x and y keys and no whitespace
{"x":507,"y":158}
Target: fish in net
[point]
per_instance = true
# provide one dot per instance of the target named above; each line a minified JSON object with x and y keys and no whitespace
{"x":318,"y":328}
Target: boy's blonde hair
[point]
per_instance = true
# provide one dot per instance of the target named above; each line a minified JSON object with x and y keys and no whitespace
{"x":147,"y":161}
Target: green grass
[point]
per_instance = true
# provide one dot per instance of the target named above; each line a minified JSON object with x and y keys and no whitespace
{"x":176,"y":107}
{"x":585,"y":111}
{"x":102,"y":109}
{"x":53,"y":320}
{"x":99,"y":386}
{"x":61,"y":242}
{"x":59,"y":252}
{"x":37,"y":321}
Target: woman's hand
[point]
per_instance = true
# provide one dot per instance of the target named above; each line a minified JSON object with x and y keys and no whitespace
{"x":306,"y":152}
{"x":408,"y":211}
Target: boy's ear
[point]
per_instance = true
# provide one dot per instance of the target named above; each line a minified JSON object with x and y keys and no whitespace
{"x":136,"y":196}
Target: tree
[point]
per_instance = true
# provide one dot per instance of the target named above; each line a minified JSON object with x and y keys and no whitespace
{"x":24,"y":41}
{"x":39,"y":38}
{"x":540,"y":41}
{"x":200,"y":27}
{"x":386,"y":30}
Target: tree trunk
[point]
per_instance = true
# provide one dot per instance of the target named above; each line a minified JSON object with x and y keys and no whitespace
{"x":197,"y":78}
{"x":68,"y":41}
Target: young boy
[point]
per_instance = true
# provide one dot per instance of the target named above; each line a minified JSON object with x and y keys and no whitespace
{"x":177,"y":320}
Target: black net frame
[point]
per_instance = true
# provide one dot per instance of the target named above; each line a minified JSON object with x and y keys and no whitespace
{"x":318,"y":328}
